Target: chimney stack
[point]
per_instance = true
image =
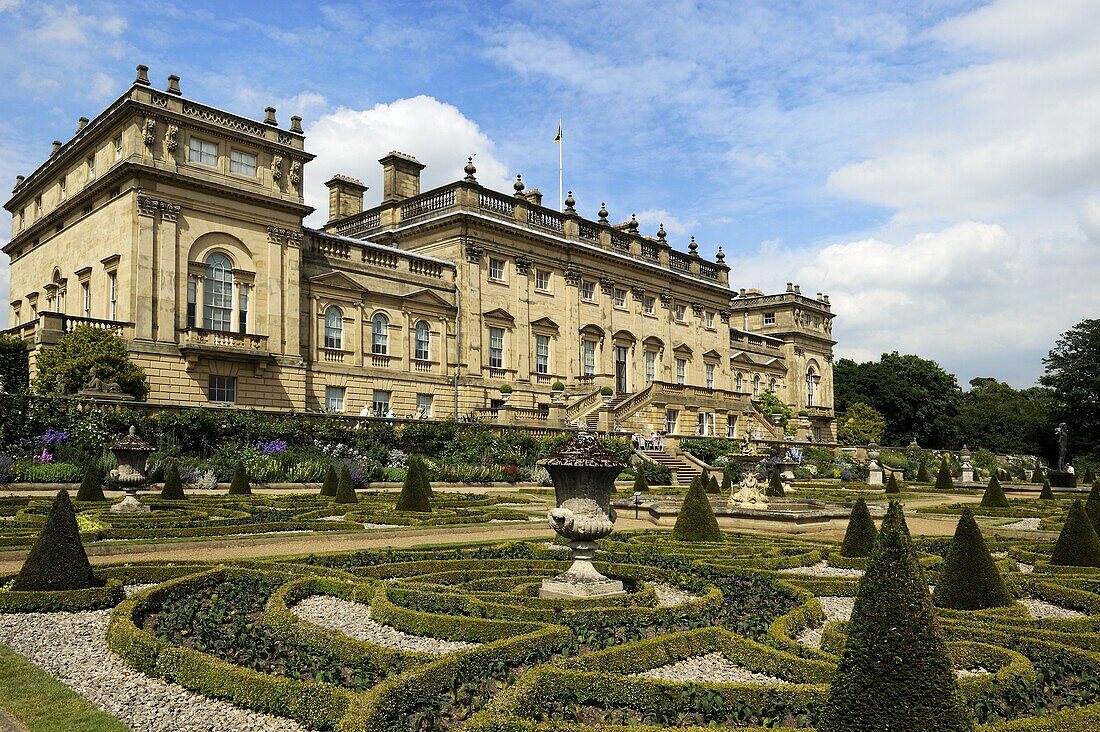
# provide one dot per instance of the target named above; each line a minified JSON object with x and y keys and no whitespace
{"x":797,"y":290}
{"x":345,"y":197}
{"x":790,"y":287}
{"x":269,"y":117}
{"x":296,"y":124}
{"x":400,"y":176}
{"x":142,"y":75}
{"x":19,"y":181}
{"x":174,"y":85}
{"x":56,"y":146}
{"x":81,"y":123}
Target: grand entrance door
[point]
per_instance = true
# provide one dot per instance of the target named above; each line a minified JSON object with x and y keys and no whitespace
{"x":620,"y":369}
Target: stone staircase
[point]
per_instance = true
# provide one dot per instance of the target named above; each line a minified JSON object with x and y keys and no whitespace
{"x":592,"y":419}
{"x":683,"y":472}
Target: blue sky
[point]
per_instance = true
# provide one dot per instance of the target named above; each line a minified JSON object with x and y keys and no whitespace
{"x":933,"y":166}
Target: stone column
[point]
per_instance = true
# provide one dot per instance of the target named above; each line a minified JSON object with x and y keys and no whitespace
{"x":167,"y":273}
{"x":142,"y":305}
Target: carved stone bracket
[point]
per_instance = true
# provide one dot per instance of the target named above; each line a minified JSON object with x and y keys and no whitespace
{"x":523,"y":265}
{"x":474,"y":252}
{"x":278,"y":235}
{"x":148,"y":206}
{"x":697,"y":308}
{"x":149,"y":131}
{"x":637,"y":291}
{"x":666,"y":299}
{"x":276,"y":167}
{"x":572,"y":276}
{"x":724,"y":315}
{"x":799,"y":351}
{"x":607,"y":286}
{"x":295,"y":172}
{"x":171,"y":138}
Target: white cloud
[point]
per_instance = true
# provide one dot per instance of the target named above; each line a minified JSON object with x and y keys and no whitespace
{"x":674,"y":225}
{"x":12,"y":5}
{"x":351,"y":141}
{"x":68,"y":26}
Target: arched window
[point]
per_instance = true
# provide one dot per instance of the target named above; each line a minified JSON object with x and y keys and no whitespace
{"x":380,"y":335}
{"x":334,"y":328}
{"x":423,"y":340}
{"x":771,"y":384}
{"x":811,"y":383}
{"x":217,"y":311}
{"x":756,"y":385}
{"x":740,"y":382}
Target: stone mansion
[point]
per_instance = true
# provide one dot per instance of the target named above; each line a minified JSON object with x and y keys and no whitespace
{"x":180,"y":227}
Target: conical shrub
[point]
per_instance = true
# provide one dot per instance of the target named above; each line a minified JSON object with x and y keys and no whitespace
{"x":696,"y":521}
{"x":640,"y":484}
{"x":1092,"y":507}
{"x":860,"y":537}
{"x":332,"y":482}
{"x":1089,"y":476}
{"x":922,"y":474}
{"x":943,"y":478}
{"x":240,"y":486}
{"x":173,"y":485}
{"x":712,"y":486}
{"x":892,"y":486}
{"x":91,"y":488}
{"x":970,"y":578}
{"x":775,"y":485}
{"x":345,"y":489}
{"x":1037,"y":475}
{"x":994,"y":496}
{"x":1078,"y":545}
{"x":895,"y":673}
{"x":57,"y":560}
{"x":727,"y":482}
{"x":415,"y":491}
{"x":1047,"y":494}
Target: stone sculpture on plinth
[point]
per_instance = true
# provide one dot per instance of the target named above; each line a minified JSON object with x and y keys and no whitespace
{"x":874,"y":470}
{"x":97,"y":388}
{"x":1062,"y":477}
{"x":132,"y":453}
{"x":584,"y":475}
{"x":749,"y":494}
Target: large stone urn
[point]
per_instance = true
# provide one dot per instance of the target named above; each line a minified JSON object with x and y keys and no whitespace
{"x":132,"y":453}
{"x":584,"y":475}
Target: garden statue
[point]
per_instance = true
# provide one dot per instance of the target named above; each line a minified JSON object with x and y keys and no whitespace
{"x":1062,"y":433}
{"x":1064,"y":476}
{"x":584,"y":475}
{"x":132,"y":453}
{"x":874,"y":470}
{"x":101,"y":388}
{"x":749,"y":494}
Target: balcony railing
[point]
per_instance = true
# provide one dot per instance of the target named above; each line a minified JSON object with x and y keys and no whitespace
{"x":202,"y":338}
{"x":497,"y":204}
{"x":545,"y":219}
{"x":679,"y":262}
{"x":423,"y":205}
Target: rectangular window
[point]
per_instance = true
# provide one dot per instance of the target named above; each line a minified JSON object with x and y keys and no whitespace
{"x":91,"y":167}
{"x":649,"y":304}
{"x":242,"y":311}
{"x":650,"y":366}
{"x":589,"y":358}
{"x":710,"y":376}
{"x":86,"y":299}
{"x":681,"y":313}
{"x":496,"y":269}
{"x":112,"y":295}
{"x":542,"y":280}
{"x":769,"y":318}
{"x":620,"y":297}
{"x":222,"y":389}
{"x":817,"y":322}
{"x":61,"y":186}
{"x":117,"y":142}
{"x":671,"y":418}
{"x":192,"y":300}
{"x":588,"y":290}
{"x":334,"y":399}
{"x":424,"y":406}
{"x":37,"y":206}
{"x":22,"y":218}
{"x":542,"y":354}
{"x":380,"y":404}
{"x":708,"y":319}
{"x":731,"y":425}
{"x":241,"y":162}
{"x":422,"y":335}
{"x":201,"y":151}
{"x":681,"y":371}
{"x":496,"y":348}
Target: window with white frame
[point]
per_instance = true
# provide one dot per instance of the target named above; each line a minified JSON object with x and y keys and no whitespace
{"x":496,"y":348}
{"x":708,"y":319}
{"x":117,"y":144}
{"x":242,"y":310}
{"x":61,"y":186}
{"x":334,"y":328}
{"x":542,"y":280}
{"x":380,"y":403}
{"x":242,"y":162}
{"x":192,"y":300}
{"x":620,"y":297}
{"x":710,"y":376}
{"x":91,"y":167}
{"x":756,"y":386}
{"x":649,"y":304}
{"x":811,"y":385}
{"x":650,"y":366}
{"x":86,"y":299}
{"x":681,"y":313}
{"x":222,"y":388}
{"x":681,"y":370}
{"x":201,"y":151}
{"x":380,"y":335}
{"x":672,"y":416}
{"x":38,"y":206}
{"x":542,"y":354}
{"x":769,"y":318}
{"x":424,"y":405}
{"x":112,"y":295}
{"x":422,"y":341}
{"x":496,"y":269}
{"x":217,"y":311}
{"x":588,"y":349}
{"x":731,"y":425}
{"x":771,"y":384}
{"x":588,"y":290}
{"x":334,"y":399}
{"x":739,"y":382}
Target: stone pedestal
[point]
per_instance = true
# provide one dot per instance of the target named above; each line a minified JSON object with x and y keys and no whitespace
{"x":966,"y":473}
{"x":130,"y":504}
{"x":1061,"y":479}
{"x":581,"y":580}
{"x":874,"y":473}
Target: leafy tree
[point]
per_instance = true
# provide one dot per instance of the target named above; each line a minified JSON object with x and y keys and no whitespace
{"x":65,"y":367}
{"x":896,"y":672}
{"x":1071,"y":369}
{"x":997,"y":417}
{"x":859,"y":538}
{"x":332,"y":482}
{"x":345,"y":489}
{"x":860,"y":424}
{"x":970,"y":579}
{"x":240,"y":485}
{"x":173,"y":486}
{"x":696,"y":521}
{"x":771,"y":404}
{"x":91,"y":488}
{"x":1077,"y":545}
{"x":14,"y":365}
{"x":943,"y":478}
{"x":994,"y":496}
{"x":57,"y":560}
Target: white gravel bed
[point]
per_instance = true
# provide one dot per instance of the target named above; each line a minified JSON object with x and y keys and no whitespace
{"x":999,"y":555}
{"x":712,"y":667}
{"x":810,"y":637}
{"x":134,"y":589}
{"x":353,"y":619}
{"x":822,"y":569}
{"x":963,"y":673}
{"x":71,"y":646}
{"x":669,"y":596}
{"x":837,"y":609}
{"x":1025,"y":568}
{"x":332,"y":518}
{"x":382,"y":526}
{"x":1027,"y":524}
{"x":1043,"y":610}
{"x":556,"y":547}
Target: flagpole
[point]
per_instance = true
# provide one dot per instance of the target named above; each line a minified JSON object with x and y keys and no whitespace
{"x":561,"y":176}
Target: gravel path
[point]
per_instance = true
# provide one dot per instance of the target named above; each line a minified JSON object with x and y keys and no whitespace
{"x":822,"y":569}
{"x":669,"y":596}
{"x":837,"y":608}
{"x":71,"y":646}
{"x":1025,"y":568}
{"x":1042,"y":610}
{"x":1027,"y":524}
{"x":353,"y":619}
{"x":976,"y":671}
{"x":382,"y":526}
{"x":810,"y":637}
{"x":711,"y":667}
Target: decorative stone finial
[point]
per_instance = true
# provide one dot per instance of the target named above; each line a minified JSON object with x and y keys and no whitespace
{"x":470,"y":170}
{"x":693,"y":247}
{"x":19,"y":180}
{"x":633,"y":223}
{"x":602,"y":213}
{"x":720,"y":256}
{"x":142,"y":75}
{"x":55,"y":147}
{"x":269,"y":117}
{"x":661,"y":234}
{"x":81,"y":123}
{"x":174,"y":85}
{"x":296,"y":124}
{"x":518,"y":185}
{"x":570,"y":202}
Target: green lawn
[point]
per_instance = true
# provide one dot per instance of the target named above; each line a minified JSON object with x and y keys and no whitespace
{"x":41,"y":703}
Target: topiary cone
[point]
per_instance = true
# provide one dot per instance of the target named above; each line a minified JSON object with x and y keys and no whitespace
{"x":775,"y":485}
{"x":332,"y":482}
{"x":91,"y":488}
{"x":860,"y":537}
{"x":727,"y":481}
{"x":892,"y":486}
{"x":922,"y":474}
{"x":57,"y":560}
{"x":943,"y":478}
{"x":1089,"y":476}
{"x":712,"y":486}
{"x":895,"y":673}
{"x":345,"y":490}
{"x":970,"y":578}
{"x":173,"y":486}
{"x":240,"y":485}
{"x":1047,"y":494}
{"x":1077,"y":545}
{"x":994,"y":496}
{"x":1037,"y":475}
{"x":414,"y":492}
{"x":1092,"y":507}
{"x":696,"y":521}
{"x":640,"y":484}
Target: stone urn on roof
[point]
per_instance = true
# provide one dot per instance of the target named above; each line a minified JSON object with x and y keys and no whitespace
{"x":584,"y":475}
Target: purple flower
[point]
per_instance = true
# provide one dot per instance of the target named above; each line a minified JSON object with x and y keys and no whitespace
{"x":274,"y":447}
{"x":44,"y":456}
{"x":54,"y":437}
